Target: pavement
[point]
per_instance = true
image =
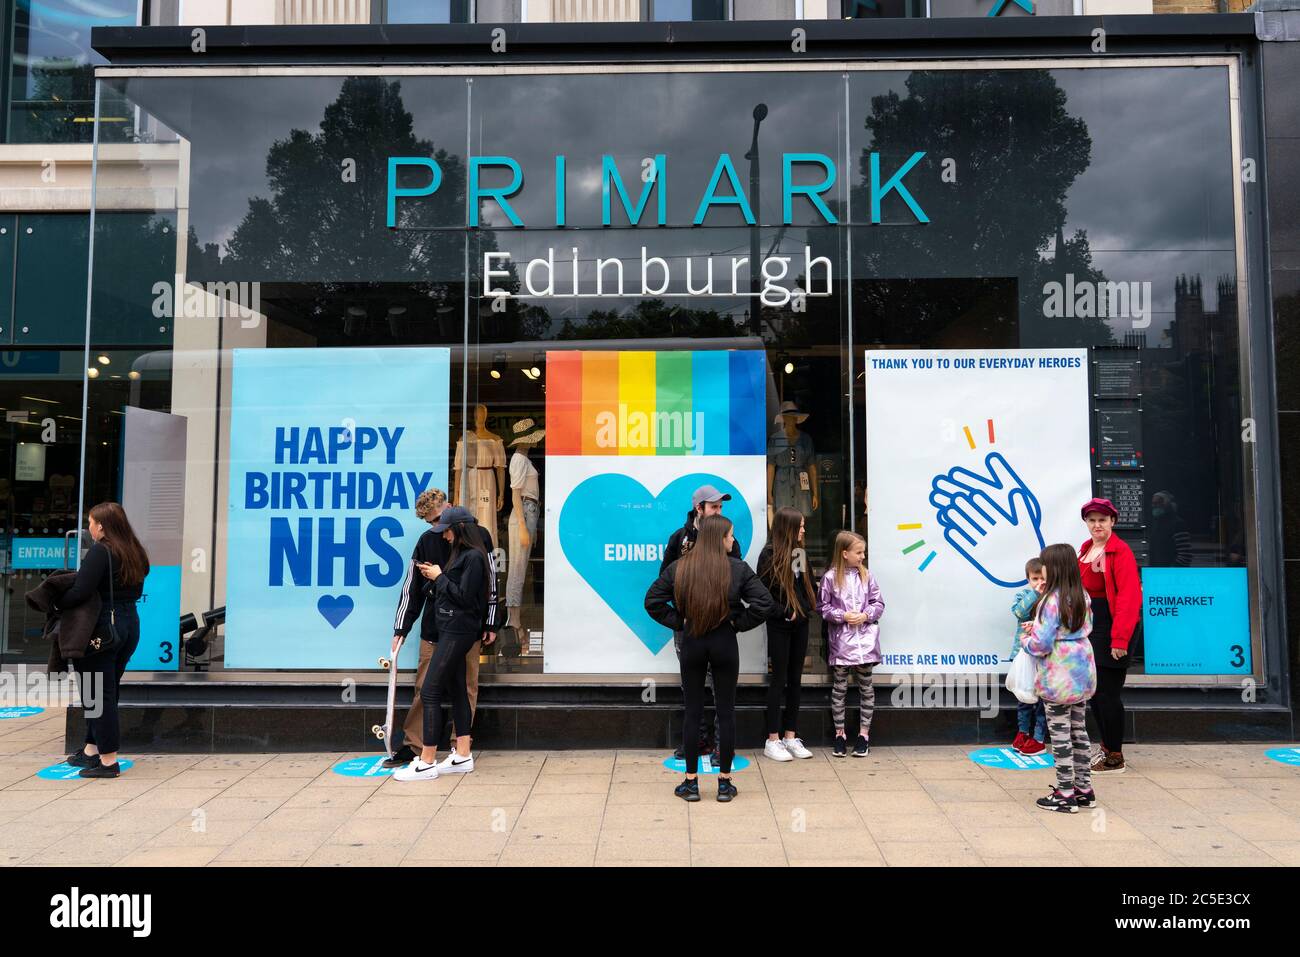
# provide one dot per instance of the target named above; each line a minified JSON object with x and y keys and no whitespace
{"x":1177,"y":804}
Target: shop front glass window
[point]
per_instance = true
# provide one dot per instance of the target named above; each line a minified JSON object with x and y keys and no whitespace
{"x":392,"y":285}
{"x":52,"y":86}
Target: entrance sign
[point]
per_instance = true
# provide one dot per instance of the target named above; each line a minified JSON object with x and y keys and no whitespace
{"x":329,"y":449}
{"x":976,"y":459}
{"x":629,"y":437}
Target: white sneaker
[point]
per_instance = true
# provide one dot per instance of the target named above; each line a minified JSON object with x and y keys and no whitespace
{"x":795,"y":747}
{"x":417,"y":770}
{"x":776,"y":751}
{"x":455,"y":764}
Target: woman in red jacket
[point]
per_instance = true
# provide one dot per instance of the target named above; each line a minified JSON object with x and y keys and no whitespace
{"x":1110,"y":576}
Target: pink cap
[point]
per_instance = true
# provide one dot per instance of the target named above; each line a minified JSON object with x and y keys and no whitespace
{"x":1102,"y":505}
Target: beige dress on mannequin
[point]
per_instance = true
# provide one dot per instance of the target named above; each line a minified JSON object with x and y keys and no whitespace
{"x":483,"y":458}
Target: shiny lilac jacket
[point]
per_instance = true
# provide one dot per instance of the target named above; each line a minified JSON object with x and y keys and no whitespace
{"x":850,"y":644}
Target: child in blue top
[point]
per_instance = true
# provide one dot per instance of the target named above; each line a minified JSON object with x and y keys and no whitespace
{"x":1031,"y":719}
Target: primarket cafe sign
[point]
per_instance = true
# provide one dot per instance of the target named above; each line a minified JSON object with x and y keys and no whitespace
{"x":550,"y":276}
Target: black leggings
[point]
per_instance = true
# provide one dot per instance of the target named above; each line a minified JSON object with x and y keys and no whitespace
{"x":717,"y":650}
{"x":787,"y":643}
{"x":100,"y":677}
{"x":447,"y":671}
{"x":1108,"y":707}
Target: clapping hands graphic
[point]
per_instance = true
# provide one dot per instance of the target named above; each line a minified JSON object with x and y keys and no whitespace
{"x":993,"y":520}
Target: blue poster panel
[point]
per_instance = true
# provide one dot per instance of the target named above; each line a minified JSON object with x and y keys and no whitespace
{"x":160,"y":611}
{"x":1196,"y":621}
{"x":329,"y":449}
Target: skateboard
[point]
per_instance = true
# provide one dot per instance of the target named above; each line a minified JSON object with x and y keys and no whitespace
{"x":384,"y":732}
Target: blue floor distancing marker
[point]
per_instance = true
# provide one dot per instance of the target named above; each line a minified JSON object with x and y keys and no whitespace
{"x":367,"y":767}
{"x":19,"y":712}
{"x":1011,"y":759}
{"x":1284,"y":755}
{"x":706,"y":764}
{"x":66,"y":772}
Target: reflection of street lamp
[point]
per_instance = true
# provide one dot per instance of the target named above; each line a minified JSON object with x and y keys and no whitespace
{"x":760,"y":114}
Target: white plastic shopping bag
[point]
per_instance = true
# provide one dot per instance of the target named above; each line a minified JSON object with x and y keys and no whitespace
{"x":1020,"y":679}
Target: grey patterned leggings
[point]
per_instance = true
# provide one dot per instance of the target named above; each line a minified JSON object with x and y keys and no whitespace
{"x":1070,"y":746}
{"x":866,"y":696}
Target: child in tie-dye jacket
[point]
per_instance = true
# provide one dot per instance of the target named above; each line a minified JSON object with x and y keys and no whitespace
{"x":1067,"y":676}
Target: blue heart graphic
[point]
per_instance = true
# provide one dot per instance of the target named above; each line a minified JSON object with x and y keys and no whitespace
{"x":334,"y":610}
{"x":612,"y":510}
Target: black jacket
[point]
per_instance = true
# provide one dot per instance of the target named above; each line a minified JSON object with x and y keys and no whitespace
{"x":751,"y":603}
{"x":767,"y":575}
{"x":92,"y":579}
{"x":460,"y":594}
{"x":681,"y":542}
{"x":68,"y":629}
{"x":432,"y":548}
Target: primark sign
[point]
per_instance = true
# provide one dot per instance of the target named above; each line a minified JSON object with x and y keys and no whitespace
{"x":556,"y":273}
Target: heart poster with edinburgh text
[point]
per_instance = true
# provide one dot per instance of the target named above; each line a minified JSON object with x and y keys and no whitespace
{"x":629,"y":437}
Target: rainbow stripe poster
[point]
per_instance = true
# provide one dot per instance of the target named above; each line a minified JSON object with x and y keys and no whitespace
{"x":655,"y":403}
{"x":630,"y":435}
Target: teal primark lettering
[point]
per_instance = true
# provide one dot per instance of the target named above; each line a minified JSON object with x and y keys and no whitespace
{"x":421,"y":176}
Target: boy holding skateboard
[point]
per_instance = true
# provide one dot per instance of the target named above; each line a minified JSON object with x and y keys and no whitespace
{"x":431,"y":549}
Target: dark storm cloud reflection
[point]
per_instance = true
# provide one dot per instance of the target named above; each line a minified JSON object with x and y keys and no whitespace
{"x":1161,"y":170}
{"x":234,"y":121}
{"x":689,"y":117}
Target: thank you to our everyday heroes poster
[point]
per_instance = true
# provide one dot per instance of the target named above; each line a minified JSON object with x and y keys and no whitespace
{"x":629,"y":437}
{"x":329,"y":449}
{"x":976,"y":459}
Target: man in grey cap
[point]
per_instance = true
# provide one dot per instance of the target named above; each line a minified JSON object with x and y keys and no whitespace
{"x":706,"y":501}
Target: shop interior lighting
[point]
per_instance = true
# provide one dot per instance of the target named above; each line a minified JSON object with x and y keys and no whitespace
{"x":498,"y":366}
{"x":92,"y":373}
{"x":104,"y":360}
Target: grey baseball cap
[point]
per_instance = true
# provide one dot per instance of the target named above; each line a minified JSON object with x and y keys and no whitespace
{"x":707,"y":493}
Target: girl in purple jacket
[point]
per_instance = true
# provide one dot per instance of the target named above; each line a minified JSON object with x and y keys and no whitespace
{"x":849,"y":600}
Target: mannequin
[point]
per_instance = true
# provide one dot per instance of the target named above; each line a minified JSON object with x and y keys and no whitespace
{"x":526,"y":507}
{"x":480,"y":470}
{"x":791,"y":464}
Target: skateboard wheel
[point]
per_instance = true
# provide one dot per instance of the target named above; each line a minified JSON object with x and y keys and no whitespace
{"x":378,"y":732}
{"x":385,"y":663}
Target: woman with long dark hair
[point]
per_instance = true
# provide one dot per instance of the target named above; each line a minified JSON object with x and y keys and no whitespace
{"x":1066,"y":677}
{"x":460,"y":596}
{"x":1110,"y":576}
{"x":709,"y":597}
{"x":114,"y":568}
{"x":782,"y":567}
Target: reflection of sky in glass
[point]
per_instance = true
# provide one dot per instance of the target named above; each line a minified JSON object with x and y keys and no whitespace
{"x":689,"y":9}
{"x":419,"y":11}
{"x":55,"y":34}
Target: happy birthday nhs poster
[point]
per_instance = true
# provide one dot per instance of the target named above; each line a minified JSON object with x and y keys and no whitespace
{"x":329,"y":449}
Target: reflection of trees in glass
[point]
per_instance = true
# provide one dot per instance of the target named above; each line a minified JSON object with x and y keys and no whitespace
{"x":318,"y":226}
{"x":1017,"y":152}
{"x":650,"y":319}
